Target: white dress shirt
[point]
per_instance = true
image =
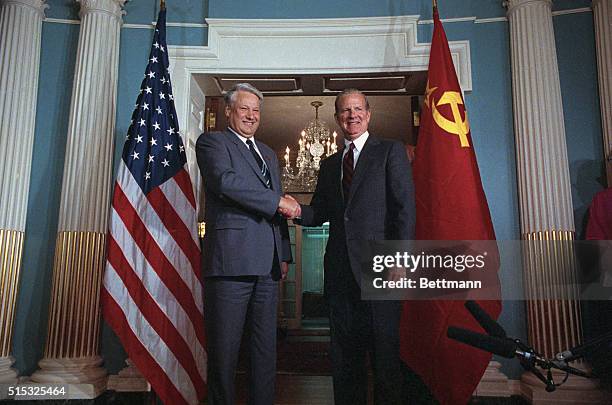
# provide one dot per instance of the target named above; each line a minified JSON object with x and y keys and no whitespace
{"x":244,"y":141}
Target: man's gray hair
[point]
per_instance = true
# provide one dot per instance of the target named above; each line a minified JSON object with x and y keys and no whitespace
{"x":230,"y":96}
{"x":346,"y":92}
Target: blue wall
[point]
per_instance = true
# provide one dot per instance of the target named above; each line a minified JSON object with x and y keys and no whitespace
{"x":575,"y":38}
{"x":489,"y":105}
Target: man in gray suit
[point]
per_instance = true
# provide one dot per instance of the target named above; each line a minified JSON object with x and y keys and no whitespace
{"x":365,"y":191}
{"x":246,"y":249}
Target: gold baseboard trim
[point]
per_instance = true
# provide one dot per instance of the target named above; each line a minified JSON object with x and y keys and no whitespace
{"x":74,"y":320}
{"x":11,"y":252}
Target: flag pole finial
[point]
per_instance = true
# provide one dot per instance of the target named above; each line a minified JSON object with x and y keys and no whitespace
{"x":434,"y":4}
{"x":162,"y":5}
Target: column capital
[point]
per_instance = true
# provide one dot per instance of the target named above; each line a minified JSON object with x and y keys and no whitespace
{"x":512,"y":5}
{"x":113,"y":7}
{"x":38,"y":5}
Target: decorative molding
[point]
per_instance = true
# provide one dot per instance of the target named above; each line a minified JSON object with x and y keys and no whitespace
{"x":8,"y":375}
{"x":182,"y":25}
{"x":490,"y":20}
{"x":572,"y":11}
{"x":113,"y":8}
{"x":310,"y":24}
{"x":38,"y":5}
{"x":136,"y":26}
{"x":513,"y":5}
{"x":168,"y":24}
{"x":237,"y":46}
{"x":83,"y":377}
{"x":62,"y":21}
{"x":449,"y":20}
{"x":473,"y":19}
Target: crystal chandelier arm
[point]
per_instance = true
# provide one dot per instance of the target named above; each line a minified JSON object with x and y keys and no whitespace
{"x":400,"y":194}
{"x":214,"y":160}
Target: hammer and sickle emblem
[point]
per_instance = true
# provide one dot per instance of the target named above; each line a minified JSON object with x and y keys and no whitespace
{"x":457,"y":126}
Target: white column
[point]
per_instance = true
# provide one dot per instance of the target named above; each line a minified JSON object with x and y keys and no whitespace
{"x":602,"y":17}
{"x":20,"y":33}
{"x":545,"y":201}
{"x":71,"y":350}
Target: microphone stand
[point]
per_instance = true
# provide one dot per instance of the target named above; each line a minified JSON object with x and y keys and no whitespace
{"x":529,"y":358}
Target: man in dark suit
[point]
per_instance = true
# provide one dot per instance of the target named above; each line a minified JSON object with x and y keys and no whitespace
{"x":365,"y":191}
{"x":246,"y":248}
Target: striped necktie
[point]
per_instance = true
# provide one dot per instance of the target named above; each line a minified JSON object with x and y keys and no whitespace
{"x":347,"y":171}
{"x":262,"y":165}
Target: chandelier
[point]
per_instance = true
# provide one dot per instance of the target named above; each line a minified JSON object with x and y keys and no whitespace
{"x":315,"y":143}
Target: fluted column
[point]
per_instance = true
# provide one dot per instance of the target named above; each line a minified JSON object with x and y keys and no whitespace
{"x":71,"y":349}
{"x":20,"y":33}
{"x":544,"y":191}
{"x":602,"y":16}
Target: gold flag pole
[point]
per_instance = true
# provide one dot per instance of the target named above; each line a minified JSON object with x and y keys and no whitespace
{"x":434,"y":3}
{"x":162,"y":4}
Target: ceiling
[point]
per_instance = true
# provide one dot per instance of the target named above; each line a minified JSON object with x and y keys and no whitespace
{"x":286,"y":109}
{"x":404,"y":83}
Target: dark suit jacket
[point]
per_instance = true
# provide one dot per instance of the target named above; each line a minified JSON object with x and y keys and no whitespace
{"x":380,"y":206}
{"x":243,"y":229}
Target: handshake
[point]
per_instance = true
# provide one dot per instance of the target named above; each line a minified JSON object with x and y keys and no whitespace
{"x":289,"y":207}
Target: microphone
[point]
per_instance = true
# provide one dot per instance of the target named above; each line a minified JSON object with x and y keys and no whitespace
{"x":487,"y":323}
{"x":501,"y":346}
{"x":584,"y":349}
{"x":504,"y":347}
{"x":508,"y":348}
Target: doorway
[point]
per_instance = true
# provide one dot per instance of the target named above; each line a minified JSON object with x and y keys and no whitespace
{"x":285,"y":112}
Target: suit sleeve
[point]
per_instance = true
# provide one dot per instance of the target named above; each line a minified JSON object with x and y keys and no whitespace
{"x":221,"y":178}
{"x":400,"y":198}
{"x":286,"y":255}
{"x":317,"y":212}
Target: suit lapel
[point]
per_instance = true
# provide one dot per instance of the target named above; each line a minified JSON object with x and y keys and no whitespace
{"x":366,"y":156}
{"x":336,"y":173}
{"x":246,"y":153}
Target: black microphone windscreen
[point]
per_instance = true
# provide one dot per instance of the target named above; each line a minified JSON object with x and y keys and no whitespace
{"x":501,"y":346}
{"x":487,"y":323}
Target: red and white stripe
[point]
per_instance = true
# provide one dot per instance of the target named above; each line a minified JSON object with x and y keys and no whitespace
{"x":152,"y":294}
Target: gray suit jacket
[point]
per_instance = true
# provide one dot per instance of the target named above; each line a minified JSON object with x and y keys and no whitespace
{"x":380,"y":206}
{"x":243,"y":229}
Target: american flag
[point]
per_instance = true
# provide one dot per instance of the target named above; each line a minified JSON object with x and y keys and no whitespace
{"x":152,"y":292}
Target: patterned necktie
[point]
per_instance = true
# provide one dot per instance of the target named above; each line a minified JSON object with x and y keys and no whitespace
{"x":347,"y":171}
{"x":262,"y":165}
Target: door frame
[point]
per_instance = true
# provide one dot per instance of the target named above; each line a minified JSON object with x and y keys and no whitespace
{"x":300,"y":46}
{"x":297,"y":47}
